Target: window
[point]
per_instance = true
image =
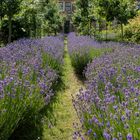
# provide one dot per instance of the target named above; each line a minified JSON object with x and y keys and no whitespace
{"x":61,"y":6}
{"x":68,"y":7}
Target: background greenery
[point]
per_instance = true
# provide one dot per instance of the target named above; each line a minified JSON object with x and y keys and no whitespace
{"x":29,"y":18}
{"x":95,"y":17}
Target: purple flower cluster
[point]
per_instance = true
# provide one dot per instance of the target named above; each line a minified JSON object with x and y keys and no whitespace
{"x":78,"y":43}
{"x":109,"y":107}
{"x":81,"y":43}
{"x":55,"y":47}
{"x":83,"y":49}
{"x":29,"y":69}
{"x":25,"y":49}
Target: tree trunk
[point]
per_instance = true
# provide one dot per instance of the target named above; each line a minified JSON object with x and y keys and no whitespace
{"x":100,"y":33}
{"x":94,"y":32}
{"x":106,"y":31}
{"x":10,"y":28}
{"x":122,"y":31}
{"x":95,"y":29}
{"x":55,"y":32}
{"x":90,"y":28}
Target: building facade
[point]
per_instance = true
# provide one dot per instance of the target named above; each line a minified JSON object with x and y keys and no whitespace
{"x":67,"y":8}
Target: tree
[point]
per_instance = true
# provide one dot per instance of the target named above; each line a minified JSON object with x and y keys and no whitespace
{"x":107,"y":11}
{"x":122,"y":10}
{"x":125,"y":10}
{"x":17,"y":30}
{"x":52,"y":17}
{"x":83,"y":17}
{"x":10,"y":8}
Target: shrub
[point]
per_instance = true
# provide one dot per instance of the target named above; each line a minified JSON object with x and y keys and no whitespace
{"x":109,"y":106}
{"x":29,"y":69}
{"x":132,"y":30}
{"x":83,"y":49}
{"x":81,"y":58}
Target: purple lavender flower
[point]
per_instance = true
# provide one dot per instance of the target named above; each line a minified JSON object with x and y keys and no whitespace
{"x":89,"y":131}
{"x":114,"y":139}
{"x":129,"y":136}
{"x":107,"y":136}
{"x":112,"y":82}
{"x":108,"y":124}
{"x":123,"y":118}
{"x":95,"y":135}
{"x":27,"y":67}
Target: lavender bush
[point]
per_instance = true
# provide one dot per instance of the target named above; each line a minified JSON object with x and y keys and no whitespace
{"x":28,"y":71}
{"x":83,"y":49}
{"x":109,"y":107}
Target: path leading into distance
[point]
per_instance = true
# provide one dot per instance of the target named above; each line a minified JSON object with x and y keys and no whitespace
{"x":63,"y":111}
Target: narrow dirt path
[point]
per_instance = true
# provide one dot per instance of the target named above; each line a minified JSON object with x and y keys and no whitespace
{"x":63,"y":110}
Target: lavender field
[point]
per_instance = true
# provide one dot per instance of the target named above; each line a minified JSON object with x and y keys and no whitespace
{"x":29,"y":71}
{"x":69,"y":69}
{"x":109,"y":106}
{"x":105,"y":105}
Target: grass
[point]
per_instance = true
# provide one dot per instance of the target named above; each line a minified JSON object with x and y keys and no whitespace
{"x":60,"y":126}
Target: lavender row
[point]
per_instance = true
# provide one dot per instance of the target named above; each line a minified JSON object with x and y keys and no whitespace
{"x":79,"y":42}
{"x":29,"y":70}
{"x":109,"y":107}
{"x":83,"y":49}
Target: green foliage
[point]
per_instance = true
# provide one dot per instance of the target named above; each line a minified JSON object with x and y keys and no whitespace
{"x":17,"y":28}
{"x":83,"y":17}
{"x":132,"y":30}
{"x":31,"y":22}
{"x":105,"y":9}
{"x":88,"y":12}
{"x":1,"y":9}
{"x":84,"y":7}
{"x":121,"y":10}
{"x":53,"y":18}
{"x":9,"y":9}
{"x":38,"y":18}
